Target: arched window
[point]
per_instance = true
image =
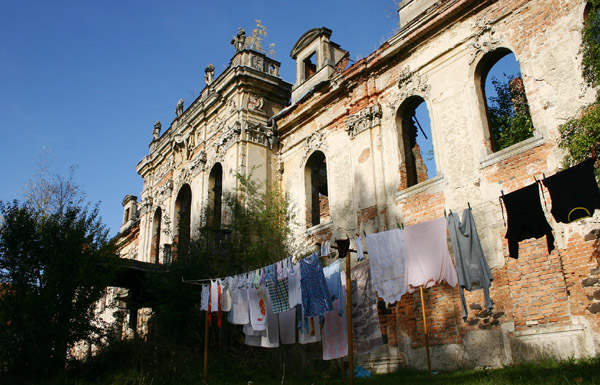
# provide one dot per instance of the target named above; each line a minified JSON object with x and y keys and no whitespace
{"x":502,"y":92}
{"x":156,"y":229}
{"x":416,"y":145}
{"x":183,"y":210}
{"x":317,"y":194}
{"x":215,"y":194}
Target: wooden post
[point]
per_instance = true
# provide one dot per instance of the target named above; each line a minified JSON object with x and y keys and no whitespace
{"x":205,"y":346}
{"x":426,"y":334}
{"x":349,"y":320}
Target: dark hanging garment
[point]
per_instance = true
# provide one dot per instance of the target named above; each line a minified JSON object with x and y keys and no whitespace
{"x":526,"y":219}
{"x":574,"y":192}
{"x":471,"y":265}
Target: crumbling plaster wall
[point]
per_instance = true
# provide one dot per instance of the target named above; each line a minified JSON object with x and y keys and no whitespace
{"x":540,"y":307}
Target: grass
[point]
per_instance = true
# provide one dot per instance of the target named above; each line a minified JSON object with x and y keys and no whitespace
{"x":548,"y":372}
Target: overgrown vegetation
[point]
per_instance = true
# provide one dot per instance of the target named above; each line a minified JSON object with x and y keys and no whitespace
{"x":581,"y":136}
{"x":124,"y":365}
{"x":508,"y":113}
{"x":256,"y":233}
{"x":590,"y":46}
{"x":256,"y":39}
{"x":55,"y":260}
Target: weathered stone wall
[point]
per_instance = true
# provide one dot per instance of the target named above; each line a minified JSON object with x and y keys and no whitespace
{"x":544,"y":304}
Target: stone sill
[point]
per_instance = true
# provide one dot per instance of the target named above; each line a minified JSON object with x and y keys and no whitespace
{"x":318,"y":228}
{"x":513,"y":150}
{"x":420,"y":187}
{"x":542,"y":330}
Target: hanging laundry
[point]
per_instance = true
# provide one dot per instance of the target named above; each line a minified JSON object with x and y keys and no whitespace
{"x":574,"y":192}
{"x":252,"y":337}
{"x":214,"y":303}
{"x":225,"y":301}
{"x":257,"y":302}
{"x":281,"y":269}
{"x":204,"y":298}
{"x":365,"y":320}
{"x":335,"y":329}
{"x":471,"y":265}
{"x":428,"y":261}
{"x":310,"y":334}
{"x":334,"y":283}
{"x":359,"y":249}
{"x":343,"y":247}
{"x":294,"y":283}
{"x":239,"y":314}
{"x":315,"y":296}
{"x":270,"y":336}
{"x":278,"y":290}
{"x":287,"y":327}
{"x":326,"y":249}
{"x":526,"y":219}
{"x":386,"y":260}
{"x":335,"y":334}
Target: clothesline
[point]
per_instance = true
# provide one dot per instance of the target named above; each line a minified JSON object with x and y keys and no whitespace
{"x":200,"y":281}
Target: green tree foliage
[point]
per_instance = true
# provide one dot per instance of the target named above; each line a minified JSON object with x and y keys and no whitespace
{"x":54,"y":266}
{"x":508,"y":113}
{"x":256,"y":233}
{"x":581,"y":136}
{"x":590,"y":46}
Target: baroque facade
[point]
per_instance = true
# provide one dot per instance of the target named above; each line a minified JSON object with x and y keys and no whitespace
{"x":343,"y":143}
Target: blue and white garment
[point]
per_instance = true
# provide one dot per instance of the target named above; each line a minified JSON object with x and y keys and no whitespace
{"x":334,"y":284}
{"x":315,"y":295}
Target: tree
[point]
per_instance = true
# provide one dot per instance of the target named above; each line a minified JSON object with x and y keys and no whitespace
{"x":47,"y":192}
{"x":55,"y":262}
{"x":508,"y":113}
{"x":255,"y":41}
{"x":257,"y":233}
{"x":590,"y":45}
{"x":581,"y":136}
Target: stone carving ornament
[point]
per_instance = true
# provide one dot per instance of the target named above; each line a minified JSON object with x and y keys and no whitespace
{"x":257,"y":63}
{"x":166,"y":189}
{"x":255,"y":102}
{"x":209,"y":74}
{"x":314,"y":142}
{"x":179,"y":108}
{"x":156,"y":131}
{"x":367,"y":118}
{"x":412,"y":83}
{"x":239,"y":40}
{"x":483,"y":40}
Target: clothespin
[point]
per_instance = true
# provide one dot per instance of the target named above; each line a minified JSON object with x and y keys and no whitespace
{"x":544,"y":175}
{"x":469,"y":204}
{"x":445,"y":215}
{"x":502,"y":191}
{"x":365,"y":233}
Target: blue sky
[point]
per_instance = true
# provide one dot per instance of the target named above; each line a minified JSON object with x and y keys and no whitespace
{"x":88,"y":79}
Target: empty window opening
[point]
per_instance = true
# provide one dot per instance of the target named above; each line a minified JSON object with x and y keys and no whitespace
{"x":317,"y":202}
{"x":126,"y":216}
{"x":417,"y":144}
{"x":507,"y":110}
{"x":156,"y":229}
{"x":310,"y":66}
{"x":215,"y":194}
{"x":183,"y":209}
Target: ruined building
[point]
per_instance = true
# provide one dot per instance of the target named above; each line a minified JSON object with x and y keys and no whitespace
{"x":342,"y":142}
